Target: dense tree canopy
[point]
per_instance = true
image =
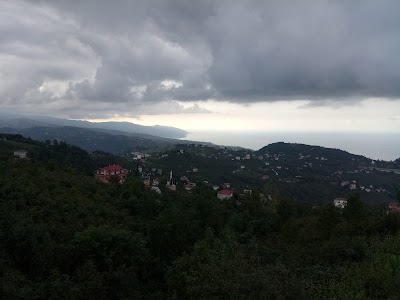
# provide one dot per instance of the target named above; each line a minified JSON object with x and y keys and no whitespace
{"x":65,"y":235}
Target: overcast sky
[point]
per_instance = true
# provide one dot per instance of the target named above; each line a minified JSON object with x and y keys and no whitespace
{"x":205,"y":65}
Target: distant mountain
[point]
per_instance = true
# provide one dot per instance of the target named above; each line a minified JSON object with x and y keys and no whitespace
{"x":295,"y":148}
{"x":19,"y":121}
{"x":331,"y":155}
{"x":162,"y":131}
{"x":22,"y":123}
{"x":292,"y":149}
{"x":92,"y":139}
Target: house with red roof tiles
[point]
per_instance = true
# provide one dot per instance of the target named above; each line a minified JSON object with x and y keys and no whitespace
{"x":189,"y":186}
{"x":394,"y":208}
{"x":224,"y":194}
{"x":106,"y":173}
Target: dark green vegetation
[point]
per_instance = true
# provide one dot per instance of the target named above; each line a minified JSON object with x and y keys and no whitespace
{"x":58,"y":154}
{"x":63,"y":235}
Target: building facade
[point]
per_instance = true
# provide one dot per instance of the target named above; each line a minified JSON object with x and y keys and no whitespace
{"x":105,"y":174}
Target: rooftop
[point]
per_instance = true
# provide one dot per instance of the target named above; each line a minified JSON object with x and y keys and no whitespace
{"x":225,"y":192}
{"x":112,"y":168}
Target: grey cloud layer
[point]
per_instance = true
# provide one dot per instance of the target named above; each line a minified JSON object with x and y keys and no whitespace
{"x":135,"y":57}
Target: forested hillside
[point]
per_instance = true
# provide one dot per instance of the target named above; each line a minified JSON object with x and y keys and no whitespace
{"x":92,"y":139}
{"x":304,"y":173}
{"x":54,"y":152}
{"x":63,"y":235}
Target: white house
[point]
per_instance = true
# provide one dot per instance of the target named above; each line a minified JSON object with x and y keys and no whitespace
{"x":21,"y":153}
{"x":137,"y":156}
{"x":171,"y":187}
{"x":247,"y":191}
{"x":340,"y":202}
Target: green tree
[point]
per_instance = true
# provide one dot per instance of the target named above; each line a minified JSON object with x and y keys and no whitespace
{"x":328,"y":219}
{"x":220,"y":269}
{"x":285,"y":209}
{"x":115,"y":253}
{"x":355,"y":208}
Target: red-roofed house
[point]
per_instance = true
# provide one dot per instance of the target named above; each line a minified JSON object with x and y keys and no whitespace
{"x":394,"y":208}
{"x":146,"y":182}
{"x":224,"y":194}
{"x":106,"y":173}
{"x":189,"y":186}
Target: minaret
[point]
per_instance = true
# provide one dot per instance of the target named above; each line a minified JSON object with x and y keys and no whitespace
{"x":170,"y":185}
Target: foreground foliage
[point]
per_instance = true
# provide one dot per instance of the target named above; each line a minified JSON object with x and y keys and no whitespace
{"x":65,"y":236}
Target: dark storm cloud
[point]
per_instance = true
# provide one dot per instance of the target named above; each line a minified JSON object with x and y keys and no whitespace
{"x":311,"y":49}
{"x":135,"y":56}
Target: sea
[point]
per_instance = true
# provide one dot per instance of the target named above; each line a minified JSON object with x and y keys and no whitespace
{"x":377,"y":146}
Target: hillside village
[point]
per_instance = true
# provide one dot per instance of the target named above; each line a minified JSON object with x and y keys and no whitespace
{"x":290,"y":169}
{"x":305,"y":173}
